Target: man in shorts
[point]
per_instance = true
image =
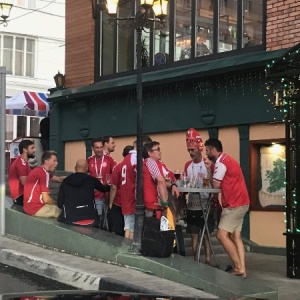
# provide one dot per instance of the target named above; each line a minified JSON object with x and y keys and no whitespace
{"x":235,"y":202}
{"x":196,"y":168}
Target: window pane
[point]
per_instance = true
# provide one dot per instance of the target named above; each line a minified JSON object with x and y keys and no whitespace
{"x":19,"y":57}
{"x":9,"y":127}
{"x":31,"y":4}
{"x":253,"y":20}
{"x":29,"y":65}
{"x":20,"y":3}
{"x":34,"y":127}
{"x":21,"y":126}
{"x":162,"y":43}
{"x":125,"y":38}
{"x":228,"y":25}
{"x":107,"y":45}
{"x":19,"y":43}
{"x":30,"y":57}
{"x":30,"y":45}
{"x":7,"y":53}
{"x":204,"y":38}
{"x":183,"y":30}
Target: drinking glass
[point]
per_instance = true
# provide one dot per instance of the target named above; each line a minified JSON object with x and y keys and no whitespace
{"x":108,"y":177}
{"x":205,"y":182}
{"x":185,"y":181}
{"x":177,"y":174}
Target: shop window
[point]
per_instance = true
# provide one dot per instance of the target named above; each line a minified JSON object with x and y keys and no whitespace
{"x":267,"y":176}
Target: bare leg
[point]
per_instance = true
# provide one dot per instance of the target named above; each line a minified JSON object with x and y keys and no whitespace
{"x":127,"y":234}
{"x":195,"y":245}
{"x":130,"y":236}
{"x":230,"y":248}
{"x":207,"y":250}
{"x":236,"y":238}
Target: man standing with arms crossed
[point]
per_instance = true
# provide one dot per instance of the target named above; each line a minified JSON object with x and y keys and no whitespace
{"x":235,"y":202}
{"x":195,"y":216}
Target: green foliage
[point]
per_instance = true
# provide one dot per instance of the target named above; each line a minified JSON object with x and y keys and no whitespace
{"x":276,"y":177}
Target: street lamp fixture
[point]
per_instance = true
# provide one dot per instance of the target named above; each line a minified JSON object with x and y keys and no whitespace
{"x":5,"y":9}
{"x":142,"y":20}
{"x":59,"y":81}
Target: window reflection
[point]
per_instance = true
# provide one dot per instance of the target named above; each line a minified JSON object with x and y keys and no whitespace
{"x":161,"y":43}
{"x":107,"y":45}
{"x":204,"y":33}
{"x":125,"y":38}
{"x":253,"y":18}
{"x":183,"y":30}
{"x":228,"y":25}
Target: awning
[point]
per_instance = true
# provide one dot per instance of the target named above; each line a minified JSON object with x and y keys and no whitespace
{"x":28,"y":104}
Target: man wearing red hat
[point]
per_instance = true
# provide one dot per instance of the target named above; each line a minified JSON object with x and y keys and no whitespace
{"x":195,"y":218}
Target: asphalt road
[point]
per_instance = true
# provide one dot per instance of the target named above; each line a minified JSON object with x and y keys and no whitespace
{"x":13,"y":280}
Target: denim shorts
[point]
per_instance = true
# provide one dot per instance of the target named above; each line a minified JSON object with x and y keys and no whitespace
{"x":129,"y":222}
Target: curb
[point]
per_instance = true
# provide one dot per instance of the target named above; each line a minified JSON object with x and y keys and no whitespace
{"x":49,"y":269}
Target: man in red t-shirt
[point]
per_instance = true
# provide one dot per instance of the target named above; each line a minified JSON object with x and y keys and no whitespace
{"x":229,"y":177}
{"x":37,"y":200}
{"x":19,"y":170}
{"x":155,"y":185}
{"x":115,"y":196}
{"x":99,"y":166}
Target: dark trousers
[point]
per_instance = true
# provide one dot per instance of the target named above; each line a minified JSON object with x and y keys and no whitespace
{"x":19,"y":200}
{"x":117,"y":220}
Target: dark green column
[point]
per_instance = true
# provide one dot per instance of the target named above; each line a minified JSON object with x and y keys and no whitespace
{"x":245,"y":165}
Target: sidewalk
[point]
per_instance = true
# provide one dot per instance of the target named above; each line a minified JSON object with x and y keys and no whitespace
{"x":86,"y":274}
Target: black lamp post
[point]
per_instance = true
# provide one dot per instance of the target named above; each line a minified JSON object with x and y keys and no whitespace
{"x":5,"y":9}
{"x":142,"y":20}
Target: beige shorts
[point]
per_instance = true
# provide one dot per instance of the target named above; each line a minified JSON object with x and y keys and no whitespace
{"x":232,"y":218}
{"x":48,"y":211}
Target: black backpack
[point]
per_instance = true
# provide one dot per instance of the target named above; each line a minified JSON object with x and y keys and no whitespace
{"x":156,"y":243}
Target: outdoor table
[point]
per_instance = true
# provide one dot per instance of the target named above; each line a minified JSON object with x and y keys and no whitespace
{"x":205,"y":215}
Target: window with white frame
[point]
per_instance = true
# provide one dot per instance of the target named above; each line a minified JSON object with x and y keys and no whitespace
{"x":26,"y":3}
{"x":18,"y":55}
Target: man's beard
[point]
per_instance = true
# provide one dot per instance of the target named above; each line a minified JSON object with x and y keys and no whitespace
{"x":31,"y":155}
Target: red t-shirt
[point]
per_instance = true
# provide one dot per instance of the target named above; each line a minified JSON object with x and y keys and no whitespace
{"x":128,"y":183}
{"x":36,"y":183}
{"x":151,"y":170}
{"x":116,"y":180}
{"x":18,"y":168}
{"x":233,"y":186}
{"x":99,"y":167}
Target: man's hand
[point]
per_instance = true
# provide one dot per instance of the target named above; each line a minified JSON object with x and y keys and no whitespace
{"x":175,"y":191}
{"x":207,"y":163}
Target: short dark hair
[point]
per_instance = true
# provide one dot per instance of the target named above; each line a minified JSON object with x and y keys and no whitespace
{"x":105,"y":139}
{"x":214,"y":143}
{"x":24,"y":144}
{"x":96,"y":140}
{"x":47,"y":155}
{"x":145,"y":139}
{"x":126,"y":150}
{"x":148,"y":147}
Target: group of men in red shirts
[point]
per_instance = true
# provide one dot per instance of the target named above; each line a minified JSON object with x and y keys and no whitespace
{"x":31,"y":187}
